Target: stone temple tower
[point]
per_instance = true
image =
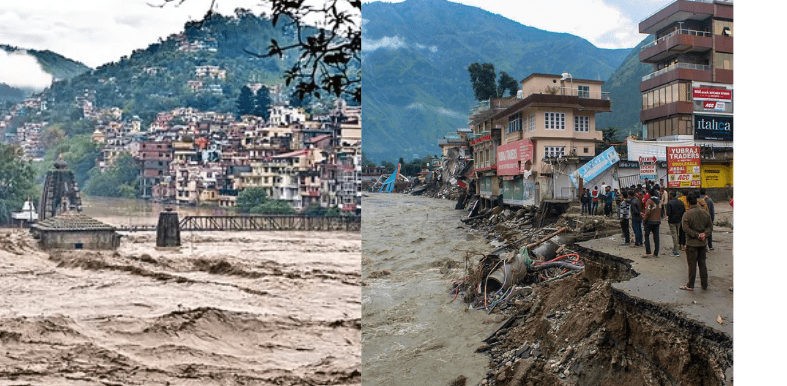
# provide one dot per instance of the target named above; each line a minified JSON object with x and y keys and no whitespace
{"x":60,"y":193}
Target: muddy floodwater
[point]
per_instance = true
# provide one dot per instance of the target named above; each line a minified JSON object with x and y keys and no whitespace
{"x":413,"y":333}
{"x":227,"y":308}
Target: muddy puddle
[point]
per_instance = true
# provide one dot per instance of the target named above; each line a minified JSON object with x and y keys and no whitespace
{"x":227,"y":308}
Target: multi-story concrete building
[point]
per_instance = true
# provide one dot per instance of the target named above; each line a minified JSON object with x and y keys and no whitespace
{"x":525,"y":148}
{"x":689,"y":95}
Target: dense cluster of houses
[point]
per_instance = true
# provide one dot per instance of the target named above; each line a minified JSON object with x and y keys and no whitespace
{"x":192,"y":157}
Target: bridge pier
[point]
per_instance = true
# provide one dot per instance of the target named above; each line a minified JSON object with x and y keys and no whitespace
{"x":168,"y":229}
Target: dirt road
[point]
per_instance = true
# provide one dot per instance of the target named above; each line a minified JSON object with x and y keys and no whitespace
{"x":248,"y":308}
{"x":413,"y":334}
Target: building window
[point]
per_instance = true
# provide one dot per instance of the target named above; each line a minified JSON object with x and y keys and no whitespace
{"x":586,"y":150}
{"x":582,"y":123}
{"x":722,"y":27}
{"x":722,"y":61}
{"x":555,"y":121}
{"x":532,"y":121}
{"x":554,"y":151}
{"x":515,"y":122}
{"x":583,"y":91}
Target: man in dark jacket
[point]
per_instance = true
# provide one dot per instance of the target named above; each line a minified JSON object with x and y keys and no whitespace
{"x":652,"y":220}
{"x":698,"y":226}
{"x":636,"y":217}
{"x":585,"y":200}
{"x":711,"y":211}
{"x":675,"y":211}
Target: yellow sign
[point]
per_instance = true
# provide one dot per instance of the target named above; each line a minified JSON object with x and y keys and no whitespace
{"x":716,"y":176}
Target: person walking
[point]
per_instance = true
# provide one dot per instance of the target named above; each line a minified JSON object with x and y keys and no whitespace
{"x":624,"y":213}
{"x":636,"y":216}
{"x":698,"y":226}
{"x":711,"y":211}
{"x":585,"y":200}
{"x":675,"y":211}
{"x":594,"y":200}
{"x":652,"y":220}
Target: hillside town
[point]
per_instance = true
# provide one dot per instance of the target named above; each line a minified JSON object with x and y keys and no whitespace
{"x":191,"y":157}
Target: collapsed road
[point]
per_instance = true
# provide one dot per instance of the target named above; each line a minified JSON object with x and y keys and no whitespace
{"x":568,"y":311}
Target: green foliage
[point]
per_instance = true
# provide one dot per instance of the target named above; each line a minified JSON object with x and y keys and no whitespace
{"x":333,"y":212}
{"x":251,"y":197}
{"x":314,"y":209}
{"x":273,"y":207}
{"x":16,"y":181}
{"x":53,"y":135}
{"x":255,"y":200}
{"x":506,"y":82}
{"x":261,"y":103}
{"x":482,"y":76}
{"x":120,"y":180}
{"x":245,"y":103}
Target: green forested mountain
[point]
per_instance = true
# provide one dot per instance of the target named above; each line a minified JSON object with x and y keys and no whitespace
{"x":167,"y":73}
{"x":55,"y":64}
{"x":623,"y":87}
{"x":415,"y":59}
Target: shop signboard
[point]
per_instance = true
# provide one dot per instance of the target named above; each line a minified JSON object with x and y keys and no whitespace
{"x":512,"y":157}
{"x":712,"y":100}
{"x":647,"y":168}
{"x":595,"y":167}
{"x":683,"y":167}
{"x":713,"y":127}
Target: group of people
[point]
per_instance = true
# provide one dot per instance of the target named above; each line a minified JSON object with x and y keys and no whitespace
{"x":689,"y":217}
{"x":604,"y":197}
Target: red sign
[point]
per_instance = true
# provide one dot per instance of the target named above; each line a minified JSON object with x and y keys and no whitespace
{"x":647,"y":160}
{"x":711,"y":93}
{"x":484,"y":138}
{"x":511,"y":158}
{"x":683,"y":167}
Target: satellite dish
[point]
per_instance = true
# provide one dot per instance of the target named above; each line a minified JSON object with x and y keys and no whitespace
{"x":565,"y":76}
{"x":519,"y":94}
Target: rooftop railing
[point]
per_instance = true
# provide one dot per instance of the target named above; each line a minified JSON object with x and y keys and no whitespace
{"x":690,"y":66}
{"x":697,"y":1}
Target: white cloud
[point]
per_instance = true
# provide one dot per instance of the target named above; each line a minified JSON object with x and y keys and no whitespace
{"x":96,"y":32}
{"x":391,"y":43}
{"x":21,"y":70}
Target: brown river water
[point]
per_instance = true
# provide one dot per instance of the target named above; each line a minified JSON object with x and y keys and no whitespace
{"x":226,"y":308}
{"x":413,"y":333}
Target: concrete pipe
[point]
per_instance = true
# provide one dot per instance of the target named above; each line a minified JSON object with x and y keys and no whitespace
{"x":505,"y":275}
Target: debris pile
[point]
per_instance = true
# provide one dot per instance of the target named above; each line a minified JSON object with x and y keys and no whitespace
{"x":577,"y":332}
{"x":559,"y":327}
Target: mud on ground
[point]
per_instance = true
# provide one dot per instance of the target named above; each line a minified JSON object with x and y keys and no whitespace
{"x":575,"y":331}
{"x":246,"y":308}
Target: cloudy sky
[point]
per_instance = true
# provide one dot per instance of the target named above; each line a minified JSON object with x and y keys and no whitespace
{"x":95,"y":32}
{"x":605,"y":23}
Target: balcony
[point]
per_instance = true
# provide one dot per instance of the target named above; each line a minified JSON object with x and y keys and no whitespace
{"x":676,"y":42}
{"x":685,"y":10}
{"x":666,"y":110}
{"x":683,"y":71}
